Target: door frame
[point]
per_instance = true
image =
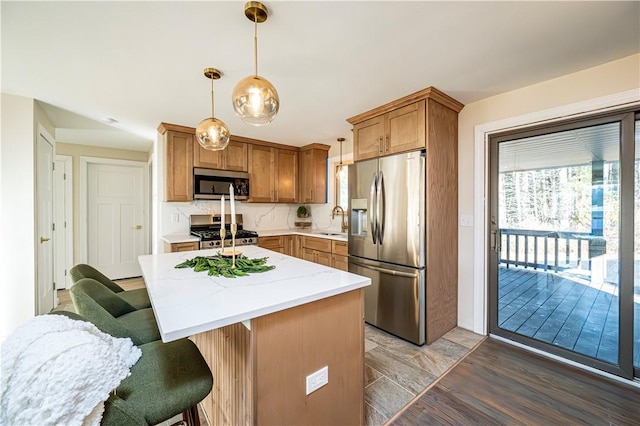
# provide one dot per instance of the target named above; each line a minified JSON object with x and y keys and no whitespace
{"x":481,"y":182}
{"x":42,"y":131}
{"x":68,"y":217}
{"x":83,"y":211}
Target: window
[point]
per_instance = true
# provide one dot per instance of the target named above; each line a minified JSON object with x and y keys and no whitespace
{"x":342,"y":185}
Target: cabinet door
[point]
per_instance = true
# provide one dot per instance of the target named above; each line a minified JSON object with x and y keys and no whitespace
{"x":405,"y":129}
{"x":271,"y":243}
{"x":190,"y":246}
{"x":235,"y":156}
{"x":289,"y":245}
{"x":262,"y":172}
{"x":179,"y":166}
{"x":367,"y":138}
{"x":315,"y":243}
{"x":323,"y":258}
{"x":312,"y":179}
{"x":339,"y":262}
{"x":206,"y":158}
{"x":287,"y":176}
{"x":308,"y":254}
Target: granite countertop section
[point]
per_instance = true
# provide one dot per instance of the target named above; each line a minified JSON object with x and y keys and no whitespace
{"x":328,"y":234}
{"x":187,"y":302}
{"x":171,"y":239}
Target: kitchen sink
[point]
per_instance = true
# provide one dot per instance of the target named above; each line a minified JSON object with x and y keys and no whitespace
{"x":329,"y":233}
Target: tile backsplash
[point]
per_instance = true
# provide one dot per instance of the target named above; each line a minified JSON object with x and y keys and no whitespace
{"x":174,"y":217}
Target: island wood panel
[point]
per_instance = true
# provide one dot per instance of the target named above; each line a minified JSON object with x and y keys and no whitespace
{"x":442,"y":225}
{"x":291,"y":344}
{"x":259,"y":376}
{"x":227,"y":352}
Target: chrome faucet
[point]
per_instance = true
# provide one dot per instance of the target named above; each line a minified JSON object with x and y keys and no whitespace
{"x":343,"y":225}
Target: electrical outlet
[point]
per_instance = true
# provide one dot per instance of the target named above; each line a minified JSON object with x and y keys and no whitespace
{"x":317,"y":380}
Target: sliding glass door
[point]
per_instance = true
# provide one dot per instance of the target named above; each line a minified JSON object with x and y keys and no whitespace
{"x":561,"y":263}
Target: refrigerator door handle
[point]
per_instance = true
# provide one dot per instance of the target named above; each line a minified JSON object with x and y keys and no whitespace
{"x":372,"y":200}
{"x":385,"y":270}
{"x":380,"y":207}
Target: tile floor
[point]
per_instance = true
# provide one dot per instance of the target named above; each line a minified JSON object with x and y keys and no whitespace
{"x":396,"y":371}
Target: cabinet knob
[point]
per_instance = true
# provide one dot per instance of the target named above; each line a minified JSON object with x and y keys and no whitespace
{"x":380,"y":144}
{"x":386,"y":143}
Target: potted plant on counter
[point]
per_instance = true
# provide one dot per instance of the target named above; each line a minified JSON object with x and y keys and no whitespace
{"x":303,"y":212}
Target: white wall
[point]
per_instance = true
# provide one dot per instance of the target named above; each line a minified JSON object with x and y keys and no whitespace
{"x":17,"y":213}
{"x":607,"y":79}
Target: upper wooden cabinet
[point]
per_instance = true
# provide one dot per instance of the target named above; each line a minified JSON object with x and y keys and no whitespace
{"x":398,"y":126}
{"x":313,"y":174}
{"x":233,"y":157}
{"x":273,"y":174}
{"x":178,"y":160}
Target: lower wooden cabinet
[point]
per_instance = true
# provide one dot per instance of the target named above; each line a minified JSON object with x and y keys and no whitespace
{"x":272,"y":243}
{"x":317,"y":250}
{"x":174,"y":247}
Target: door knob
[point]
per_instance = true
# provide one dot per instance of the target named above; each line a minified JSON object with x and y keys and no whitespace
{"x":44,"y":240}
{"x":137,"y":227}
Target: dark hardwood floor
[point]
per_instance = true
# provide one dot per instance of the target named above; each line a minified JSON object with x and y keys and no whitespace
{"x":500,"y":384}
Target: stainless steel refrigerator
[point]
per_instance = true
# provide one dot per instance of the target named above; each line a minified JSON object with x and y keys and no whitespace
{"x":387,"y":241}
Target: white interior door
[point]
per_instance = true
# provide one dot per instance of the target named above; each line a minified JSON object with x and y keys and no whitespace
{"x":44,"y":194}
{"x":62,"y":218}
{"x":115,"y":206}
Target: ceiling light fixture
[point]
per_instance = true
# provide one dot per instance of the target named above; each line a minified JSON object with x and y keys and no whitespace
{"x":255,"y":100}
{"x":212,"y":133}
{"x":340,"y":167}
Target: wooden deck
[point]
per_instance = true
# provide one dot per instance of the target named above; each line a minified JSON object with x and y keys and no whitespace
{"x":564,"y":310}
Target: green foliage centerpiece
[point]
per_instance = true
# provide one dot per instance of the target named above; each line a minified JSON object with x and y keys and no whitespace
{"x":219,"y":265}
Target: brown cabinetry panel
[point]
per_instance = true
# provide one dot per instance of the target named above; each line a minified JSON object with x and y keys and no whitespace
{"x":262,"y":172}
{"x":178,"y":152}
{"x":271,"y":243}
{"x":233,"y":157}
{"x":405,"y":129}
{"x":175,"y":247}
{"x":339,"y":247}
{"x":367,"y":138}
{"x":315,"y":243}
{"x":287,"y":176}
{"x":340,"y":262}
{"x":313,"y":174}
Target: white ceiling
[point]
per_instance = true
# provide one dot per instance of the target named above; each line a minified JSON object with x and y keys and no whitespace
{"x":142,"y":62}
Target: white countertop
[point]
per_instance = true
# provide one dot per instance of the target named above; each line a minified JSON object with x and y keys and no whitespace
{"x":187,"y":302}
{"x":172,"y":239}
{"x":332,"y":235}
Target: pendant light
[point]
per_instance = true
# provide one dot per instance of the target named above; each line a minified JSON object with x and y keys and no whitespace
{"x":255,"y":100}
{"x":340,"y":169}
{"x":212,"y":134}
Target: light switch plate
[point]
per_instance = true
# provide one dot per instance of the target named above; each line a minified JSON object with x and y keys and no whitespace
{"x":466,"y":220}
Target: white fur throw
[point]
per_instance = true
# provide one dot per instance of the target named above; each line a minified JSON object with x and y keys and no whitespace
{"x":59,"y":371}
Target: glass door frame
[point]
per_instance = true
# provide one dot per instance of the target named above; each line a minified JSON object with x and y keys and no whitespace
{"x":626,"y":118}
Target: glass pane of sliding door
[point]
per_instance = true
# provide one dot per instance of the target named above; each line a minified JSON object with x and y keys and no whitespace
{"x":555,"y":211}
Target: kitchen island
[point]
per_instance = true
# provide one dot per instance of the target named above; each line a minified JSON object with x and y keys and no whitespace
{"x":263,"y":334}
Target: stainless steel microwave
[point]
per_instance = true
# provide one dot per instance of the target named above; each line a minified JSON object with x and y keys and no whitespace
{"x":209,"y":184}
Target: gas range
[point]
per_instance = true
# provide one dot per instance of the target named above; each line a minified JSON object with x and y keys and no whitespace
{"x":207,"y":227}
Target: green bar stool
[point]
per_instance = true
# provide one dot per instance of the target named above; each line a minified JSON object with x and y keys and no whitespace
{"x":112,"y":314}
{"x":138,"y":298}
{"x":169,"y":379}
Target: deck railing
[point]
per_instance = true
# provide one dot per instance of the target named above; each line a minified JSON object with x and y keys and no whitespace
{"x":549,"y":249}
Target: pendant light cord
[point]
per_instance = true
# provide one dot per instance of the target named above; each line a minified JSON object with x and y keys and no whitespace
{"x":212,"y":114}
{"x":255,"y":44}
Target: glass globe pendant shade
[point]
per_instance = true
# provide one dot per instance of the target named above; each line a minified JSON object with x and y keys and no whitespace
{"x":212,"y":134}
{"x":255,"y":100}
